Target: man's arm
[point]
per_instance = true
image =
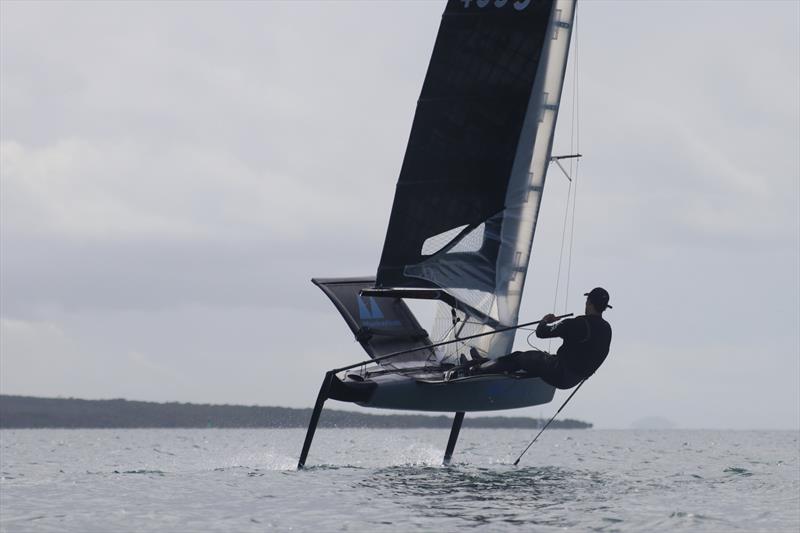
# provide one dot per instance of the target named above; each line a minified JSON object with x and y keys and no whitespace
{"x":572,"y":329}
{"x":545,"y":330}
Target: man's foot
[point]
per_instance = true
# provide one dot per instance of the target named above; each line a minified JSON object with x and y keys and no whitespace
{"x":476,"y":357}
{"x":475,"y":370}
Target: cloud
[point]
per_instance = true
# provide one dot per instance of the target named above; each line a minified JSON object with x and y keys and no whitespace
{"x":119,"y":225}
{"x":92,"y":190}
{"x":171,"y":176}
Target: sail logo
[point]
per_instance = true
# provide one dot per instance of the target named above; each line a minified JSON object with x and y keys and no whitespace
{"x":519,"y":5}
{"x":369,"y":309}
{"x":371,"y":315}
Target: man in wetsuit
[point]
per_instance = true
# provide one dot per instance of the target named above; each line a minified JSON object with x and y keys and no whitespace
{"x":586,"y":342}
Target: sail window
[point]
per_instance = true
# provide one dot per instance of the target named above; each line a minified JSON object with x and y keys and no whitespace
{"x":439,"y":241}
{"x":471,"y":242}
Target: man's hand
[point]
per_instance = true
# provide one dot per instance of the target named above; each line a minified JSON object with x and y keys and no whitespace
{"x":548,"y":318}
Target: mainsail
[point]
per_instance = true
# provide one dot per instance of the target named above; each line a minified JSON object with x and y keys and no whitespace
{"x":470,"y":186}
{"x":463,"y":218}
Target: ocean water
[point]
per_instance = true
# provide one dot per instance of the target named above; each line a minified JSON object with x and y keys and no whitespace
{"x":392,"y":480}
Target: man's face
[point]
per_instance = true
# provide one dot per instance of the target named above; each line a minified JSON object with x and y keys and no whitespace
{"x":589,"y":309}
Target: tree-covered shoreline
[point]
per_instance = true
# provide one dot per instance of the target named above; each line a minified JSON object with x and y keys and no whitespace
{"x":28,"y":412}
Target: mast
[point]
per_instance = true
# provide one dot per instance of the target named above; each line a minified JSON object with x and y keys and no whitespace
{"x":526,"y":187}
{"x":470,"y":187}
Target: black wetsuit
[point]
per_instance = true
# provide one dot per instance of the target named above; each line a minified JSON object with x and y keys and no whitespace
{"x":586,"y":342}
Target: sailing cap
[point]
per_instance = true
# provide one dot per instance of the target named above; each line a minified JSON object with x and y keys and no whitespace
{"x":599,"y":298}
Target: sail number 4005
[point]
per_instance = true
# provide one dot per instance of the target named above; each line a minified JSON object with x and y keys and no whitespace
{"x":519,"y":5}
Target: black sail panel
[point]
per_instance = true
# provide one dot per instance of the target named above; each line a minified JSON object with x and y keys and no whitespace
{"x":381,"y":325}
{"x":464,"y":138}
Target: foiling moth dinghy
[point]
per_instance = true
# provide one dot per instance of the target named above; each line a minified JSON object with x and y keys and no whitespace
{"x":463,"y":218}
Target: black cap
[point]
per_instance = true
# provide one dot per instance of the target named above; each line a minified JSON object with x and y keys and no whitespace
{"x":599,"y":298}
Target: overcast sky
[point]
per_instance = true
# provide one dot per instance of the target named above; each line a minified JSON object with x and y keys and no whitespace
{"x":173,"y":174}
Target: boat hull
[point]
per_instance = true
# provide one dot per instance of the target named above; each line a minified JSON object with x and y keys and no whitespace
{"x":490,"y":392}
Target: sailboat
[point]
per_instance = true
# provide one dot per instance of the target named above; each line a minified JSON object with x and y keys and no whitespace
{"x":463,"y":219}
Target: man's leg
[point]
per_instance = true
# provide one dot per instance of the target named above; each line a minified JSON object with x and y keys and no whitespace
{"x":533,"y":362}
{"x":544,"y":365}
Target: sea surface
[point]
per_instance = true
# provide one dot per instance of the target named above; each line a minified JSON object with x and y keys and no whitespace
{"x":392,"y":480}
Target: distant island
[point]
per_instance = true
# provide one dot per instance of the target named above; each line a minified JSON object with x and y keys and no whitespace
{"x":27,"y":412}
{"x":653,"y":422}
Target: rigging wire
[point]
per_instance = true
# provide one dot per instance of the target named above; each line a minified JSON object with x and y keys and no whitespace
{"x":563,"y":240}
{"x":572,"y":192}
{"x":436,"y":345}
{"x":458,"y":343}
{"x":528,"y":340}
{"x":446,"y":333}
{"x":576,"y":133}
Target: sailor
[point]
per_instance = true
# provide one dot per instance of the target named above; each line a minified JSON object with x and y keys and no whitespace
{"x":586,"y":342}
